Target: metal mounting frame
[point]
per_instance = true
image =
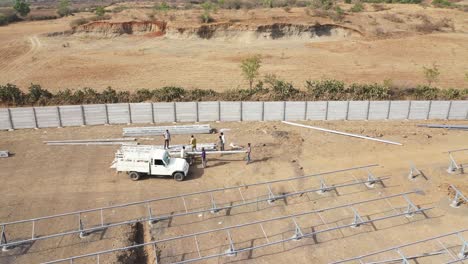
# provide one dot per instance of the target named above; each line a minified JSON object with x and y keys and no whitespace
{"x":233,"y":251}
{"x":151,"y":218}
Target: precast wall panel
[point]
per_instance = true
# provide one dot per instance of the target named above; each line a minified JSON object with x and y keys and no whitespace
{"x":358,"y":110}
{"x":317,"y":110}
{"x":399,"y":110}
{"x":458,"y":110}
{"x":141,"y":113}
{"x":47,"y":116}
{"x":439,"y":110}
{"x":295,"y":111}
{"x":118,"y":114}
{"x":208,"y":111}
{"x":23,"y":117}
{"x":378,"y":110}
{"x":230,"y":111}
{"x":186,"y":112}
{"x":419,"y":110}
{"x":274,"y":111}
{"x":95,"y":114}
{"x":337,"y":110}
{"x":252,"y":111}
{"x":71,"y":115}
{"x":164,"y":112}
{"x":5,"y":119}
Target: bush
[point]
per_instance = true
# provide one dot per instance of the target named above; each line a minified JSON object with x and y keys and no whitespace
{"x":338,"y":14}
{"x":10,"y":94}
{"x":8,"y":16}
{"x":441,"y":3}
{"x":169,"y":94}
{"x":368,"y":91}
{"x":326,"y":89}
{"x":425,"y":92}
{"x":37,"y":95}
{"x":357,"y":7}
{"x":78,"y":22}
{"x":347,"y":1}
{"x":281,"y":90}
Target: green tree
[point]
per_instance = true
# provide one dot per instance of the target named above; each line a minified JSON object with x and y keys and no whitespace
{"x":100,"y":11}
{"x":63,"y":8}
{"x":22,"y":7}
{"x":250,"y":68}
{"x":207,"y":8}
{"x":268,"y":3}
{"x":431,"y":74}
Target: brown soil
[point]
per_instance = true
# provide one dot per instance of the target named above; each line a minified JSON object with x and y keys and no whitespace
{"x":383,"y":49}
{"x":41,"y":180}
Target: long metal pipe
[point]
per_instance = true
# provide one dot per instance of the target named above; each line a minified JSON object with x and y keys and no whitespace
{"x":400,"y":246}
{"x":253,"y":223}
{"x":343,"y":133}
{"x":162,"y":217}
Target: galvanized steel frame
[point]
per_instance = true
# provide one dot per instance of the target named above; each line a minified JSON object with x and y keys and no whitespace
{"x":82,"y":231}
{"x":298,"y":233}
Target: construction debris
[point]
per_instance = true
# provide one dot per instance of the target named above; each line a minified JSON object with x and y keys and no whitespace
{"x":457,"y":127}
{"x":4,"y":154}
{"x":343,"y":133}
{"x":105,"y":141}
{"x":159,"y":130}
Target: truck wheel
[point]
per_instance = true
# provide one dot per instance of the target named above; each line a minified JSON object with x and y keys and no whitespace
{"x":134,"y":176}
{"x":179,"y":176}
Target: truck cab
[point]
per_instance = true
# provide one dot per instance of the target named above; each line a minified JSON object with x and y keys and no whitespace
{"x":155,"y":162}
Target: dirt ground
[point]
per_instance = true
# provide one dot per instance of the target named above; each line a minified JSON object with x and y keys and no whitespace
{"x":42,"y":180}
{"x":385,"y":50}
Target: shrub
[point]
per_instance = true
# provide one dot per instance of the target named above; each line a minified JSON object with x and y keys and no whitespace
{"x":64,"y":8}
{"x":100,"y":11}
{"x":368,"y":91}
{"x":22,"y":7}
{"x":322,"y":4}
{"x":347,"y":1}
{"x":37,"y":95}
{"x":441,"y":3}
{"x":379,"y":7}
{"x":451,"y":94}
{"x":11,"y":94}
{"x":337,"y":15}
{"x":281,"y":90}
{"x":78,"y":22}
{"x":431,"y":74}
{"x":425,"y":92}
{"x":357,"y":7}
{"x":169,"y":94}
{"x":326,"y":89}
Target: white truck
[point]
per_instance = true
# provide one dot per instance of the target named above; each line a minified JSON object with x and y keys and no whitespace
{"x":153,"y":161}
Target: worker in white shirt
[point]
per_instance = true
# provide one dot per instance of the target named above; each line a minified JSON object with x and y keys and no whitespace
{"x":167,"y":139}
{"x":223,"y":141}
{"x":182,"y":152}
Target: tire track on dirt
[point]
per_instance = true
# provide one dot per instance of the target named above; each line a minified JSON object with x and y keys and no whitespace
{"x":19,"y":63}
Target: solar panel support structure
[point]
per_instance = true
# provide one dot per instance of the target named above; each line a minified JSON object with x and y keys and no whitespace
{"x":458,"y":199}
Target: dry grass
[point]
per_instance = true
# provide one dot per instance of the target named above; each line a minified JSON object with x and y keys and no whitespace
{"x":393,"y":18}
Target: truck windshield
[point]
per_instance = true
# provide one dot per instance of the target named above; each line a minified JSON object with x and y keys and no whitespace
{"x":166,"y":159}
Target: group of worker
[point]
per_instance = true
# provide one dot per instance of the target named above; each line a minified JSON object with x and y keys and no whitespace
{"x":193,"y":143}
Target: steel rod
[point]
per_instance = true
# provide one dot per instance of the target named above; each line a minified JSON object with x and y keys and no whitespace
{"x":400,"y":246}
{"x":343,"y":133}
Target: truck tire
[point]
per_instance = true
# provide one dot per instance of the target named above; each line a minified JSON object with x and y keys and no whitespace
{"x":179,"y":176}
{"x":134,"y":176}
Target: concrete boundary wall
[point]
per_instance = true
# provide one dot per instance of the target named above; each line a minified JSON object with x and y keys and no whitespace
{"x":148,"y":113}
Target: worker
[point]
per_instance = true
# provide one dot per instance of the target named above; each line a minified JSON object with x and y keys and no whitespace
{"x":182,"y":152}
{"x":248,"y":151}
{"x":193,"y":142}
{"x":203,"y":157}
{"x":167,"y":139}
{"x":221,"y":143}
{"x":223,"y":140}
